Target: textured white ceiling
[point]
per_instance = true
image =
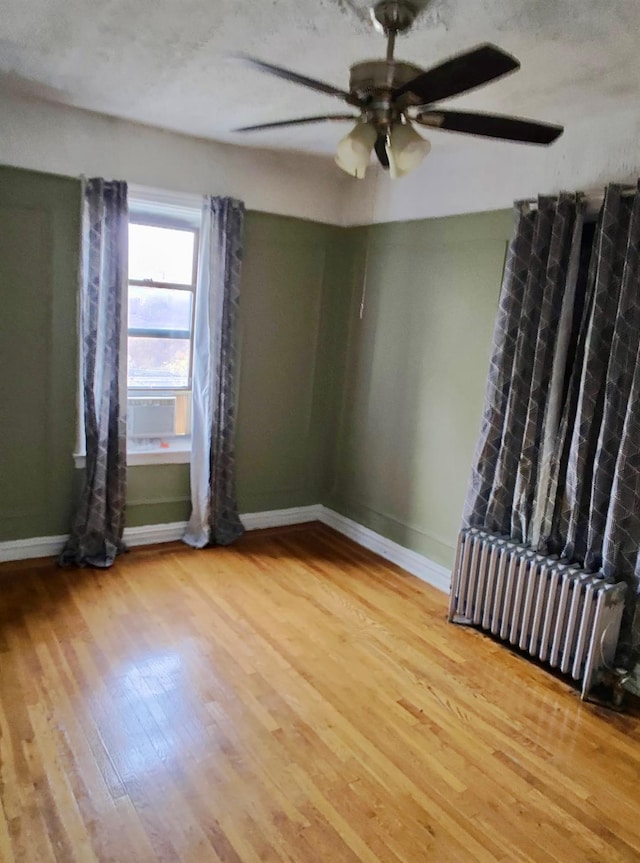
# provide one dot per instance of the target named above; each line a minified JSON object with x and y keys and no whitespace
{"x":165,"y":62}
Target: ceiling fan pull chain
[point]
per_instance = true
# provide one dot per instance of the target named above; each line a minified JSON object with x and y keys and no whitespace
{"x":365,"y":272}
{"x":363,"y":297}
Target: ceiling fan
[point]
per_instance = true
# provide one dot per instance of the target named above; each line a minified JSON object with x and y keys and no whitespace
{"x":390,"y":96}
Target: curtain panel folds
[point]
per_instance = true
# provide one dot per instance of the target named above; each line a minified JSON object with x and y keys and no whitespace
{"x":96,"y":533}
{"x":557,"y":465}
{"x":526,"y":371}
{"x":595,"y":511}
{"x":214,"y":518}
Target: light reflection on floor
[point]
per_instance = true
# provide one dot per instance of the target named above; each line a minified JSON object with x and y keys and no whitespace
{"x":147,"y":703}
{"x":157,"y":675}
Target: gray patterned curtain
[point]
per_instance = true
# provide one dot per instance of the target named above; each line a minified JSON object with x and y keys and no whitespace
{"x":214,"y":518}
{"x":96,"y":534}
{"x":557,"y":465}
{"x":594,"y":514}
{"x":526,"y":372}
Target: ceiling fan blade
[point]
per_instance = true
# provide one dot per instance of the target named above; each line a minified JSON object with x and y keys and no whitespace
{"x":491,"y":126}
{"x":464,"y":72}
{"x":298,"y":122}
{"x":295,"y":78}
{"x":380,"y":148}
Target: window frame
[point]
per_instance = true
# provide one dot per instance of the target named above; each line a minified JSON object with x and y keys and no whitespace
{"x":177,"y":224}
{"x":164,"y":209}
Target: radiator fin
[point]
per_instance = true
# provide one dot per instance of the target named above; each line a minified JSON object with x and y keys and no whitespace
{"x":552,"y":610}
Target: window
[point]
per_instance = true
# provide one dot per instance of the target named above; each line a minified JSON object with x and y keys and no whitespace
{"x":164,"y":232}
{"x":162,"y":276}
{"x":163,"y":260}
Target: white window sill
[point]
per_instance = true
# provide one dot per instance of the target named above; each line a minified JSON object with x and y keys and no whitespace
{"x":177,"y":452}
{"x":174,"y":454}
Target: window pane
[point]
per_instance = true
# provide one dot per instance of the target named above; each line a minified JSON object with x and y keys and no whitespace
{"x":159,"y":309}
{"x":161,"y":254}
{"x":158,"y":363}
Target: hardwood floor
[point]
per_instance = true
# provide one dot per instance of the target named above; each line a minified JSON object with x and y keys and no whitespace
{"x":292,"y":698}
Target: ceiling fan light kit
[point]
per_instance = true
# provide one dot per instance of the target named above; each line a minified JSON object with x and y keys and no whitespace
{"x":391,"y":95}
{"x":405,"y":149}
{"x":353,"y":152}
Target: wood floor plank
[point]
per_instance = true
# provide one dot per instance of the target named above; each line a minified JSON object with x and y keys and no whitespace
{"x":290,"y":699}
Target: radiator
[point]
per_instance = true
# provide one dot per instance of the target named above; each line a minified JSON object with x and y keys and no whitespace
{"x":558,"y":613}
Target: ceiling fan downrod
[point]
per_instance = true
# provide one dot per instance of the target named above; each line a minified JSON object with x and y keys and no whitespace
{"x":391,"y":17}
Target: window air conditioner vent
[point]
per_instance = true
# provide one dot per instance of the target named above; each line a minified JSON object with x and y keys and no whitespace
{"x":151,"y":417}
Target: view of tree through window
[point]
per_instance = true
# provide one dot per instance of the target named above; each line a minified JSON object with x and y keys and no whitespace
{"x":158,"y":363}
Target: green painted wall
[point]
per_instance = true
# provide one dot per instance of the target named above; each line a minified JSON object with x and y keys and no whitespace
{"x":279,"y":441}
{"x":376,"y":417}
{"x":281,"y":435}
{"x":413,"y":374}
{"x":283,"y":362}
{"x":39,"y":227}
{"x":158,"y":494}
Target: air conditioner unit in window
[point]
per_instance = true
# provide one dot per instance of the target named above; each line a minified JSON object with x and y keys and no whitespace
{"x":151,"y":417}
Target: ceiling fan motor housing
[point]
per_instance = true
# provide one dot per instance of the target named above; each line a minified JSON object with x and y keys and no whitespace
{"x":372,"y":82}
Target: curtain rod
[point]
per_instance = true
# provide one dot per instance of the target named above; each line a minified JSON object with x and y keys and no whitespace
{"x":591,"y":197}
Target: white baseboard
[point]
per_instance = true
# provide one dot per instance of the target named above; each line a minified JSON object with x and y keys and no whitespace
{"x":153,"y":533}
{"x":51,"y":546}
{"x":411,"y":561}
{"x":37,"y":546}
{"x":148,"y":534}
{"x":417,"y":564}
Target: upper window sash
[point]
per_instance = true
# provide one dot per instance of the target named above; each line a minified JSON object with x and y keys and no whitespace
{"x":172,"y":224}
